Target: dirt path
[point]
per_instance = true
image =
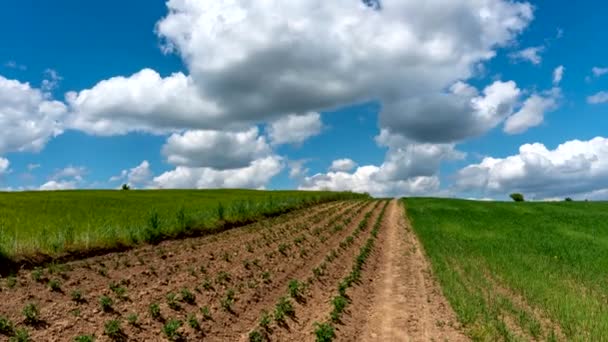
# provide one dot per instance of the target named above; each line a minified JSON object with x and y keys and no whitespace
{"x":407,"y":304}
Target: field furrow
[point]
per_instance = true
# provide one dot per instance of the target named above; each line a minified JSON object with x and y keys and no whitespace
{"x":191,"y":288}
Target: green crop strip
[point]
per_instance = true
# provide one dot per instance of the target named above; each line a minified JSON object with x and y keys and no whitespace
{"x":58,"y":223}
{"x":519,"y":270}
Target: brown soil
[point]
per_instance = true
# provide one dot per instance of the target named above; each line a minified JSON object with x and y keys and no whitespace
{"x":406,"y":304}
{"x":249,"y":262}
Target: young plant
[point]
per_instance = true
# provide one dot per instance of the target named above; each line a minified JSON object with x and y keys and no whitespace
{"x":265,"y":320}
{"x":172,"y":302}
{"x":84,"y":338}
{"x":188,"y":297}
{"x":54,"y":285}
{"x":21,"y":335}
{"x":324,"y":332}
{"x":113,"y":330}
{"x":193,"y":322}
{"x":77,"y":297}
{"x":38,"y":275}
{"x":170,"y":329}
{"x":296,"y":289}
{"x":266,"y":277}
{"x":155,"y":311}
{"x":31,"y":314}
{"x":283,"y":308}
{"x":106,"y":304}
{"x":339,"y":304}
{"x":206,"y":313}
{"x":228,"y":300}
{"x":256,"y":336}
{"x":119,"y":290}
{"x":133,"y":319}
{"x":6,"y":327}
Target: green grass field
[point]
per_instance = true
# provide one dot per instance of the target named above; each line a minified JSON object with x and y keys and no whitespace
{"x":520,"y":271}
{"x":53,"y":223}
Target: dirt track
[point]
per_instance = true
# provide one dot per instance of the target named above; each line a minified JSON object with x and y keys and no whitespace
{"x":407,"y":304}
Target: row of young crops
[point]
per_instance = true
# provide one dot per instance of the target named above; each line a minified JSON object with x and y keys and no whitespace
{"x":230,"y":278}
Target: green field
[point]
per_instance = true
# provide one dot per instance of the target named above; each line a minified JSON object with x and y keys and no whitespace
{"x":520,"y":271}
{"x":53,"y":223}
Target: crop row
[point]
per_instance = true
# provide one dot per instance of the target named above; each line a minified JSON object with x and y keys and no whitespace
{"x":296,"y":289}
{"x":325,"y":332}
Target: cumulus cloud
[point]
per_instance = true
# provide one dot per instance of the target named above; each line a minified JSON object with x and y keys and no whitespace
{"x":531,"y":54}
{"x":4,"y":164}
{"x":139,"y":176}
{"x":532,"y":112}
{"x":247,"y":65}
{"x":409,"y":168}
{"x":449,"y":117}
{"x":28,"y":117}
{"x":366,"y":179}
{"x":298,"y":169}
{"x":59,"y":185}
{"x":216,"y":149}
{"x":145,"y":101}
{"x":574,"y":167}
{"x":344,"y":165}
{"x":75,"y":172}
{"x":295,"y":129}
{"x":255,"y":176}
{"x":598,"y":98}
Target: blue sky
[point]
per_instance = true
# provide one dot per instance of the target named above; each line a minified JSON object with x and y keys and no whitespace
{"x":190,"y":127}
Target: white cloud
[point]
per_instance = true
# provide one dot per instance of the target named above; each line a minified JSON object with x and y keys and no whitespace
{"x":58,"y":185}
{"x":409,"y":169}
{"x":598,"y":72}
{"x":344,"y":165}
{"x":574,"y":167}
{"x":297,"y":168}
{"x":598,"y":98}
{"x":4,"y":164}
{"x":558,"y":74}
{"x":255,"y":176}
{"x":295,"y":129}
{"x":531,"y":54}
{"x":75,"y":172}
{"x":366,"y":179}
{"x":139,"y":176}
{"x":28,"y":117}
{"x":463,"y":112}
{"x":216,"y":149}
{"x":142,"y":102}
{"x":247,"y":65}
{"x":532,"y":113}
{"x":31,"y":167}
{"x":51,"y":81}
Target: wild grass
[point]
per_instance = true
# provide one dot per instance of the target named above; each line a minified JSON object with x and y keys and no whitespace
{"x":55,"y":223}
{"x":543,"y":265}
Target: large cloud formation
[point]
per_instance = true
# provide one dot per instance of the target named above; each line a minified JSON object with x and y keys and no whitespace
{"x":249,"y":65}
{"x":573,"y":168}
{"x":282,"y":62}
{"x":28,"y":117}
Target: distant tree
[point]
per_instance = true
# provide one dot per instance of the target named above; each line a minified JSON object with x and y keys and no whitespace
{"x":126,"y":187}
{"x":568,"y":199}
{"x":375,"y":4}
{"x":517,"y":197}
